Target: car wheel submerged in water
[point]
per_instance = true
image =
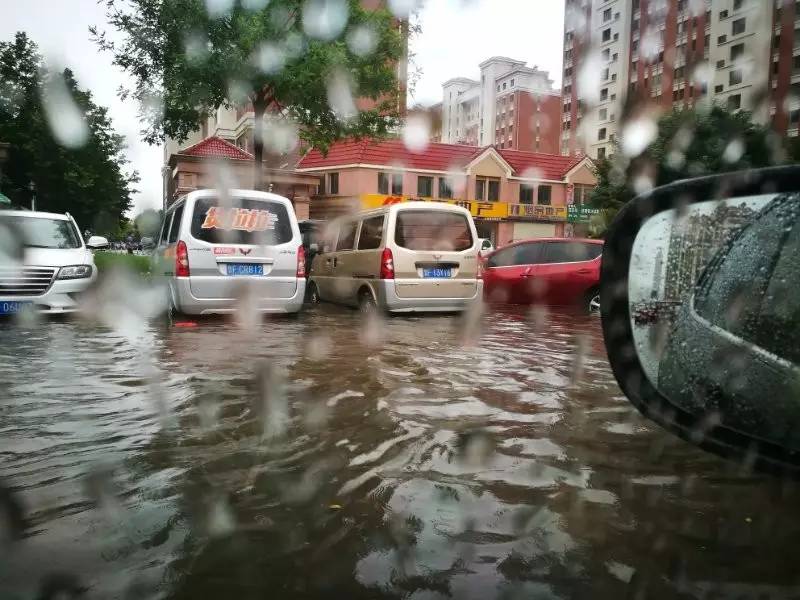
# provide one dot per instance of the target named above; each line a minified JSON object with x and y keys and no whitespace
{"x":313,"y":294}
{"x":366,"y":303}
{"x":592,"y":302}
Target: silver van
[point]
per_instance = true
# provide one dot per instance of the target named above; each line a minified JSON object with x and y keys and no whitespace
{"x":214,"y":250}
{"x":409,"y":257}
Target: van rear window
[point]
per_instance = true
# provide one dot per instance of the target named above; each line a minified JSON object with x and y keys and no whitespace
{"x":432,"y":230}
{"x":241,"y":221}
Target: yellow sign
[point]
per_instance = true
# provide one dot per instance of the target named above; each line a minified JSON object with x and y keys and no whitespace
{"x":538,"y":212}
{"x":480,"y":210}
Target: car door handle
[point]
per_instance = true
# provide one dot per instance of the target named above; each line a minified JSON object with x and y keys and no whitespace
{"x":584,"y":271}
{"x":527,"y":273}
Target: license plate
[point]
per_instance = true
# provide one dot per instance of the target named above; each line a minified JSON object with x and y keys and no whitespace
{"x":11,"y":307}
{"x":245,"y":269}
{"x":437,"y":273}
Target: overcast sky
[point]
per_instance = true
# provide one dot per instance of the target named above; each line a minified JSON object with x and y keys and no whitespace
{"x":457,"y":35}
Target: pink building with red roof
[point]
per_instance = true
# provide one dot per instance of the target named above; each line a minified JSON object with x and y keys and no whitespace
{"x":215,"y":162}
{"x":512,"y":194}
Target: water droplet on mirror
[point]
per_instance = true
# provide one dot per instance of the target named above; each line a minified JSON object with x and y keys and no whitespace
{"x":254,"y":5}
{"x":402,"y":9}
{"x":733,"y":151}
{"x":270,"y":405}
{"x":325,"y":19}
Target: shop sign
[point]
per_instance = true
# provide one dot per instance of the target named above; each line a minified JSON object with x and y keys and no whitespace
{"x":538,"y":212}
{"x":479,"y":210}
{"x":581,"y":213}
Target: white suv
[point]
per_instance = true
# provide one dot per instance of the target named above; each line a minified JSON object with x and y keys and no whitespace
{"x":43,"y":262}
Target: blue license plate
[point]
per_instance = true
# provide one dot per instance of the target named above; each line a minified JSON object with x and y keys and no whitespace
{"x":245,"y":269}
{"x":11,"y":307}
{"x":437,"y":273}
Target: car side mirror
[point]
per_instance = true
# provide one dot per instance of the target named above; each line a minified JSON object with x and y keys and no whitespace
{"x":701,"y":316}
{"x":97,"y":242}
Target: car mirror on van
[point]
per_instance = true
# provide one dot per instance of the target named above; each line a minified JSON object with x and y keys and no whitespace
{"x":97,"y":242}
{"x":701,"y":315}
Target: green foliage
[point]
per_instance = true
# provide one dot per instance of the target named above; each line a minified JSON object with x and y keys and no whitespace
{"x":690,"y":143}
{"x":89,"y":181}
{"x":186,"y":62}
{"x":134,"y":263}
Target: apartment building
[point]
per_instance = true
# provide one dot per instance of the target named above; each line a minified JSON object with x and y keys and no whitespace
{"x":676,"y":53}
{"x":511,"y":106}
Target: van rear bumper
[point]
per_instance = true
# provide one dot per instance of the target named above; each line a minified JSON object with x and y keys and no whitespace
{"x":188,"y":304}
{"x":390,"y":301}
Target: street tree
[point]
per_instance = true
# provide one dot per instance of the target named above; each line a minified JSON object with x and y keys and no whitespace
{"x":689,"y":143}
{"x":86,"y":175}
{"x":305,"y":60}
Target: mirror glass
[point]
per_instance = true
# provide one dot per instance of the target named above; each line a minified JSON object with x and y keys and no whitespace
{"x":714,"y":292}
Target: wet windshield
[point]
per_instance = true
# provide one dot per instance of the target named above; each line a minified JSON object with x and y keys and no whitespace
{"x":37,"y":232}
{"x":414,"y":397}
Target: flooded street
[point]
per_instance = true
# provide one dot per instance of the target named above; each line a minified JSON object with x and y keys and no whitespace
{"x":318,"y":458}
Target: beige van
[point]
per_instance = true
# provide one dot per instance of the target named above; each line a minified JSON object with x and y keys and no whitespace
{"x":409,"y":257}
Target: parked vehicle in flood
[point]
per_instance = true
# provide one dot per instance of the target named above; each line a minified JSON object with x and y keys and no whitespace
{"x":409,"y":257}
{"x":554,"y":271}
{"x":44,"y":262}
{"x":213,"y":250}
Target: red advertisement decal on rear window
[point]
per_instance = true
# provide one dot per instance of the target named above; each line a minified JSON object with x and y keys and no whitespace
{"x":240,"y":219}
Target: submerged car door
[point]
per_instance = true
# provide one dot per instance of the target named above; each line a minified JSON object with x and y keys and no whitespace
{"x":509,"y":271}
{"x":341,"y":284}
{"x":564,"y":274}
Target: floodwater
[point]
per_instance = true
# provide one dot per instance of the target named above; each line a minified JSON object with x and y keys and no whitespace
{"x":317,"y":458}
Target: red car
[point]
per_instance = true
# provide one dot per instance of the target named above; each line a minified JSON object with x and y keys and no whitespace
{"x":556,"y":271}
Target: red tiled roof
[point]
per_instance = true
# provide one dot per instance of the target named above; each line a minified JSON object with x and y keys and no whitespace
{"x":545,"y":166}
{"x":217,"y":147}
{"x":391,"y":152}
{"x":436,"y":157}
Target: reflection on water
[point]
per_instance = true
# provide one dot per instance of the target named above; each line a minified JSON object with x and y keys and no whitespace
{"x":299,"y":462}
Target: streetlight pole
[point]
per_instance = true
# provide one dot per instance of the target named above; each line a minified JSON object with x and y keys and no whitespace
{"x":32,"y":188}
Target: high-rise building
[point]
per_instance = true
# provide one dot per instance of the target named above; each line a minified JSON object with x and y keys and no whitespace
{"x":511,"y":106}
{"x":676,"y":53}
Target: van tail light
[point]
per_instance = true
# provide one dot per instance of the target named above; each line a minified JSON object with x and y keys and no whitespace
{"x":181,"y":260}
{"x":387,"y":264}
{"x":301,"y":262}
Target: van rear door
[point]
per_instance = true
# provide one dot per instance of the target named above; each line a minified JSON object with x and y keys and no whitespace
{"x":435,"y":254}
{"x":238,"y":241}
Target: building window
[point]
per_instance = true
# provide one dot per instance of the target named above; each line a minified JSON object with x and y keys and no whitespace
{"x":604,"y":75}
{"x":603,"y":114}
{"x":722,"y":39}
{"x":606,"y":55}
{"x":737,"y":4}
{"x":525,"y":194}
{"x":396,"y":181}
{"x":445,"y":188}
{"x":487,"y":189}
{"x":735,"y":77}
{"x":568,"y":107}
{"x":504,"y":85}
{"x":545,"y":192}
{"x":614,"y":57}
{"x":333,"y":183}
{"x":601,"y":133}
{"x":606,"y":34}
{"x":635,"y":25}
{"x":512,"y":83}
{"x":737,"y":51}
{"x":321,"y":187}
{"x":606,"y":15}
{"x":735,"y":102}
{"x":723,"y":14}
{"x":738,"y":26}
{"x":498,"y":88}
{"x":603,"y":94}
{"x":601,"y":153}
{"x":679,"y":72}
{"x":425,"y":187}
